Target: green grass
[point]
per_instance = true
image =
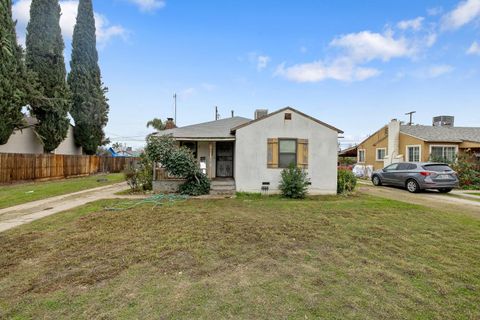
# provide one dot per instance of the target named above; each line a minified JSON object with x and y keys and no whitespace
{"x":359,"y":257}
{"x":11,"y":195}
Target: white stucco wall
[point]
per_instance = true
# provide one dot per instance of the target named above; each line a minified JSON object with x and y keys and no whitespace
{"x":68,"y":145}
{"x":251,"y":153}
{"x":26,"y":141}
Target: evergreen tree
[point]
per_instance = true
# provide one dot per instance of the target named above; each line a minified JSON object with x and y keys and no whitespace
{"x":90,"y":107}
{"x":156,"y":124}
{"x":12,"y":95}
{"x":44,"y":58}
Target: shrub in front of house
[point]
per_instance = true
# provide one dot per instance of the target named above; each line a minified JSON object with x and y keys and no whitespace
{"x":346,"y":181}
{"x":467,"y":168}
{"x":139,"y":176}
{"x":178,"y":162}
{"x":294,"y":183}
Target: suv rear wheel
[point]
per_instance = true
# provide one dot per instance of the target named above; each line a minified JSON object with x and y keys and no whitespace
{"x":412,"y":186}
{"x":376,"y":181}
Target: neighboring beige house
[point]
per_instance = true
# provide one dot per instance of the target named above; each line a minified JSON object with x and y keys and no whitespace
{"x":252,"y":153}
{"x":26,"y":141}
{"x":397,"y":142}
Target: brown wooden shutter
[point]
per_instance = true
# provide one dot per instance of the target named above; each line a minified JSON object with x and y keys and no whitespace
{"x":302,"y":153}
{"x":272,"y":153}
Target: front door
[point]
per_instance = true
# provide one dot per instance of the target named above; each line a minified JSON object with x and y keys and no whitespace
{"x":224,"y":160}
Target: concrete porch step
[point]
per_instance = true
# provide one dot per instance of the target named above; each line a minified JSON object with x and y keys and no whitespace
{"x":222,"y":187}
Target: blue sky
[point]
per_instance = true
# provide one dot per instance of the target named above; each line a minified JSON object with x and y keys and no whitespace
{"x":353,"y":64}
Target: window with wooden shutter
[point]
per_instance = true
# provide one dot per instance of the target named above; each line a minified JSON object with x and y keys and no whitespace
{"x":302,"y":153}
{"x":272,"y":153}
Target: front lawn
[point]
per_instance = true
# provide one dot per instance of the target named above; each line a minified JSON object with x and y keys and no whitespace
{"x":333,"y":257}
{"x":11,"y":195}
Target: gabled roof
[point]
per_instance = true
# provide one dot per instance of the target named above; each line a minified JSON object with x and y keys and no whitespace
{"x":442,"y":134}
{"x":282,"y":110}
{"x":219,"y":129}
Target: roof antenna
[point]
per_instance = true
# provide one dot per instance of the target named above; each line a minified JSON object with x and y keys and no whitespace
{"x":175,"y":106}
{"x":217,"y":115}
{"x":411,"y":117}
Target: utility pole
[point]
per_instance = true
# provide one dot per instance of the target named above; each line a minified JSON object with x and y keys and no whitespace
{"x":175,"y":106}
{"x":411,"y":117}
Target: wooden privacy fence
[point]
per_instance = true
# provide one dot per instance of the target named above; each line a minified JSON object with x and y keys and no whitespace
{"x":24,"y":167}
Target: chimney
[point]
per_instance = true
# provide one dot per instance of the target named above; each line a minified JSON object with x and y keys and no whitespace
{"x":393,"y":151}
{"x":233,"y":114}
{"x":170,"y":124}
{"x":260,"y":113}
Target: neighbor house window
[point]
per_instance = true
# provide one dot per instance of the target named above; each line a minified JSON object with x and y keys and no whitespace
{"x":287,"y":152}
{"x":361,"y":156}
{"x":443,"y":153}
{"x":413,"y":153}
{"x":381,"y":152}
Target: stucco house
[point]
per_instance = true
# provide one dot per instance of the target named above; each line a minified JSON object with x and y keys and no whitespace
{"x":248,"y":155}
{"x":398,"y":142}
{"x":26,"y":141}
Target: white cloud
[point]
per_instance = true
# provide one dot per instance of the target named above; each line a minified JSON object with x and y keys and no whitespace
{"x":149,"y":5}
{"x":105,"y":31}
{"x":262,"y":62}
{"x":342,"y":69}
{"x":366,"y":46}
{"x":437,"y":71}
{"x":435,"y":11}
{"x":413,"y":24}
{"x":474,"y":49}
{"x":464,"y":13}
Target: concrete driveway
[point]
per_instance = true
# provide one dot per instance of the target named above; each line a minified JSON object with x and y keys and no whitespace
{"x":28,"y":212}
{"x":433,"y":199}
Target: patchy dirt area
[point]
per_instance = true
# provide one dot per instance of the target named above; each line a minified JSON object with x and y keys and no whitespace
{"x":431,"y":199}
{"x":24,"y":213}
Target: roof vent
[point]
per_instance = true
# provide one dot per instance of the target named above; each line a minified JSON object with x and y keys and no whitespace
{"x":443,"y":121}
{"x":260,"y":113}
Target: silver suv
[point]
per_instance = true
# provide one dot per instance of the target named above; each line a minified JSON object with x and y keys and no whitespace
{"x":417,"y":176}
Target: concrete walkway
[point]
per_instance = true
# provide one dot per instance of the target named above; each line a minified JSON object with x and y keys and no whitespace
{"x":28,"y":212}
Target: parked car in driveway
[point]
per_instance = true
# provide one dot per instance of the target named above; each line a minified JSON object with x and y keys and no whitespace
{"x":417,"y":176}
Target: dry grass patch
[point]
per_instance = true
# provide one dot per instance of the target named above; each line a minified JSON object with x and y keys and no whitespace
{"x":360,"y":257}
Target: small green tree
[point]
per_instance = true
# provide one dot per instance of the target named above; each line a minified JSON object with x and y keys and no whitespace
{"x":156,"y":124}
{"x":294,"y":182}
{"x":12,"y":93}
{"x":346,"y":181}
{"x":44,"y":58}
{"x":90,"y":107}
{"x":179,"y":162}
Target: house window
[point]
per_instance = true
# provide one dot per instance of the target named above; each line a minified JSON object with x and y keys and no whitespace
{"x":287,"y":153}
{"x":192,"y":145}
{"x":288,"y":116}
{"x":381,"y":152}
{"x":361,"y":156}
{"x":443,"y":153}
{"x":413,"y":153}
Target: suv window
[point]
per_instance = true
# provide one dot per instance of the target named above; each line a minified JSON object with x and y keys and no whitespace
{"x":403,"y":166}
{"x":391,"y":167}
{"x":437,"y":167}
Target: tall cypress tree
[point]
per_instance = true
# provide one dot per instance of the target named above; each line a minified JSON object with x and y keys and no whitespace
{"x":12,"y":95}
{"x":90,"y":107}
{"x":44,"y":58}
